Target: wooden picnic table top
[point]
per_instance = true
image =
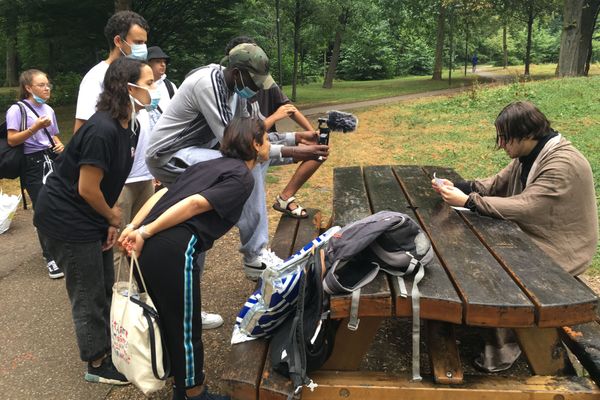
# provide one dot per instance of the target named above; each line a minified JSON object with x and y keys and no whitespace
{"x":487,"y":272}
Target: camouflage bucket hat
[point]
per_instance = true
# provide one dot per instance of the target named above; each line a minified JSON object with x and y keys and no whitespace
{"x":251,"y":58}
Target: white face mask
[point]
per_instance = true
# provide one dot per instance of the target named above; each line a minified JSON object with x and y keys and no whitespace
{"x":154,"y":98}
{"x":138,"y":51}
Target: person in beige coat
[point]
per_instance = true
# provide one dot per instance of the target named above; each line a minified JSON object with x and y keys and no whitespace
{"x":547,"y":189}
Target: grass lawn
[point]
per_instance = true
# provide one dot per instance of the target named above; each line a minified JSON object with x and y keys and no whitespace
{"x":537,"y":71}
{"x":452,"y":131}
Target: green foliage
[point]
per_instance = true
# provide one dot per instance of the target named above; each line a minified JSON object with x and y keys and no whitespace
{"x":7,"y":98}
{"x":66,"y":87}
{"x":416,"y":58}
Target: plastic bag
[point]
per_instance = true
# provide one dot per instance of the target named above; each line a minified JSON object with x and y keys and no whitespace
{"x":8,"y":206}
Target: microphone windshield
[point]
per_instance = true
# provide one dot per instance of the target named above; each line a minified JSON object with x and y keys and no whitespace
{"x":341,"y":121}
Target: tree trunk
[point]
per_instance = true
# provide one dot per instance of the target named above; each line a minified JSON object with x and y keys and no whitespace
{"x":296,"y":49}
{"x":530,"y":17}
{"x":579,"y":19}
{"x":439,"y":46}
{"x":335,"y":54}
{"x":10,"y":25}
{"x":122,"y":5}
{"x":504,"y":46}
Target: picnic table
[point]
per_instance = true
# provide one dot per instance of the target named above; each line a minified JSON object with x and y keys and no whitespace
{"x":486,"y":273}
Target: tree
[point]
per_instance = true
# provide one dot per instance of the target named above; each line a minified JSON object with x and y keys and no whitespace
{"x":579,"y":20}
{"x":122,"y":5}
{"x":343,"y":19}
{"x":439,"y":46}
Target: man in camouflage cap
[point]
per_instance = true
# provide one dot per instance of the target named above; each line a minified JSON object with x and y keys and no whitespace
{"x":191,"y":129}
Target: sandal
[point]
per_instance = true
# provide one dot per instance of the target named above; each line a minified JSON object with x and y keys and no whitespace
{"x":283,"y":206}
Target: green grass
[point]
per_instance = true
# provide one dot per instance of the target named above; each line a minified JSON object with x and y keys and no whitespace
{"x":313,"y":94}
{"x":464,"y":132}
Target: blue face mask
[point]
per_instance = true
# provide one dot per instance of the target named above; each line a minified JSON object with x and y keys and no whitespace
{"x":246,"y":92}
{"x":154,"y":98}
{"x":138,"y":51}
{"x":38,"y":99}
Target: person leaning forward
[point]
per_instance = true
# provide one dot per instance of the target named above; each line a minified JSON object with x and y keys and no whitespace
{"x":547,"y":189}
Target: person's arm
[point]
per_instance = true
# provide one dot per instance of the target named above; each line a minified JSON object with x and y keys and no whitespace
{"x":141,"y":215}
{"x":15,"y":138}
{"x":89,"y":189}
{"x":78,"y":124}
{"x":213,"y":104}
{"x":301,"y":120}
{"x":174,"y":215}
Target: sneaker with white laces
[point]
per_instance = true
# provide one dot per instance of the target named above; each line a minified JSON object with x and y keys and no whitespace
{"x":211,"y":321}
{"x":254,"y":268}
{"x":54,"y":271}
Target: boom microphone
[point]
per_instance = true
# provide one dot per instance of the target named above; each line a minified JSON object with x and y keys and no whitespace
{"x":336,"y":121}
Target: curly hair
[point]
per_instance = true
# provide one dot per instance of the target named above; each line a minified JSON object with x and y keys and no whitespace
{"x":520,"y":120}
{"x":120,"y":24}
{"x":238,"y":40}
{"x":238,"y":137}
{"x":114,"y":99}
{"x":26,"y":79}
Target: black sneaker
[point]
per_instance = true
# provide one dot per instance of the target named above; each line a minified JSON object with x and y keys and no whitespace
{"x":54,"y":271}
{"x":105,"y":373}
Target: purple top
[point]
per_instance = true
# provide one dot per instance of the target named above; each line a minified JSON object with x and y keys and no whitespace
{"x":39,"y":141}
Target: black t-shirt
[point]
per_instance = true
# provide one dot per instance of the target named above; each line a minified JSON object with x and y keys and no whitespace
{"x":61,"y":212}
{"x":269,"y":101}
{"x":225,"y":182}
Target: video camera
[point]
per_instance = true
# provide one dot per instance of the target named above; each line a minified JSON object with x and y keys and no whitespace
{"x":336,"y":121}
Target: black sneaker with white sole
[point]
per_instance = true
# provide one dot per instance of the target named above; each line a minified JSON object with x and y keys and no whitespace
{"x":54,"y":271}
{"x":105,"y":373}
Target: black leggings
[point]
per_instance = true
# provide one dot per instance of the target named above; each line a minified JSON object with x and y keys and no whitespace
{"x":168,"y":264}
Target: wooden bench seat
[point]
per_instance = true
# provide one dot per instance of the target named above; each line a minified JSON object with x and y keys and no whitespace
{"x":584,"y":341}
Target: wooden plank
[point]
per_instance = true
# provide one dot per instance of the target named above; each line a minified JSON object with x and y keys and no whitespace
{"x":308,"y":229}
{"x":350,"y":347}
{"x":245,"y":361}
{"x":443,"y":353}
{"x":351,"y":203}
{"x":584,"y":341}
{"x":284,"y":237}
{"x":439,"y":300}
{"x":544,"y":351}
{"x":363,"y":385}
{"x":490,"y":296}
{"x":560,"y":299}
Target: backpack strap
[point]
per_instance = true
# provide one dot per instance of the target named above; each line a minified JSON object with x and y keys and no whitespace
{"x":354,"y":321}
{"x":416,"y":324}
{"x":37,"y":115}
{"x":170,"y":88}
{"x":23,"y":127}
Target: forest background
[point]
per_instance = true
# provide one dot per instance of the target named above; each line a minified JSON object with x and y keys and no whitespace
{"x":319,"y":40}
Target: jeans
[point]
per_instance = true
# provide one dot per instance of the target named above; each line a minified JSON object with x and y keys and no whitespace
{"x":32,"y":182}
{"x":89,"y":276}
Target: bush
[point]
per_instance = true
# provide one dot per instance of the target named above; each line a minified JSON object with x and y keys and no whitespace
{"x":417,"y":58}
{"x":66,"y":88}
{"x":8,"y":97}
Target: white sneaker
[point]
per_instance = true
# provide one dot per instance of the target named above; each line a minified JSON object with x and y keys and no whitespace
{"x":211,"y":321}
{"x":256,"y":266}
{"x":54,"y":271}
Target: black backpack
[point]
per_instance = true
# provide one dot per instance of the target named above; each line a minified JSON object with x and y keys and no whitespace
{"x":305,"y":340}
{"x":12,"y":159}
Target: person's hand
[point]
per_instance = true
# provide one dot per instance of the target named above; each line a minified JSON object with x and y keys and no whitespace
{"x":307,"y":137}
{"x":111,"y":238}
{"x":41,"y":123}
{"x":435,"y":184}
{"x":453,"y":196}
{"x":123,"y":237}
{"x":115,"y":217}
{"x":133,"y":241}
{"x":286,"y":110}
{"x":58,"y":148}
{"x":310,"y":152}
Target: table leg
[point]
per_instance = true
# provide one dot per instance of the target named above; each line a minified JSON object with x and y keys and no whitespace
{"x":544,"y":351}
{"x":443,"y":352}
{"x":351,"y":346}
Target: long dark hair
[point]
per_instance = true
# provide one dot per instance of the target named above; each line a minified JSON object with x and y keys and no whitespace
{"x":26,"y":79}
{"x":114,"y":99}
{"x":520,"y":120}
{"x":238,"y":137}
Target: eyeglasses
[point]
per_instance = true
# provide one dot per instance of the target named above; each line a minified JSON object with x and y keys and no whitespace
{"x":44,"y":85}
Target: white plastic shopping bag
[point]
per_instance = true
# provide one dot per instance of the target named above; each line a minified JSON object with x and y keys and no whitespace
{"x":137,"y":345}
{"x":8,"y":206}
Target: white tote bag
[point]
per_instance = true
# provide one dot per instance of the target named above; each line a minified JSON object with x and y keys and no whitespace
{"x":137,"y":345}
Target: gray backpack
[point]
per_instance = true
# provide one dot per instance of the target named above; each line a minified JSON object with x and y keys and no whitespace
{"x":388,"y":241}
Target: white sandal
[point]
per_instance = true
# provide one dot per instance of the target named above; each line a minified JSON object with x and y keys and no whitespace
{"x":283,"y":206}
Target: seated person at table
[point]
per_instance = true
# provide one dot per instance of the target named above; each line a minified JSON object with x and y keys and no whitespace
{"x":547,"y":189}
